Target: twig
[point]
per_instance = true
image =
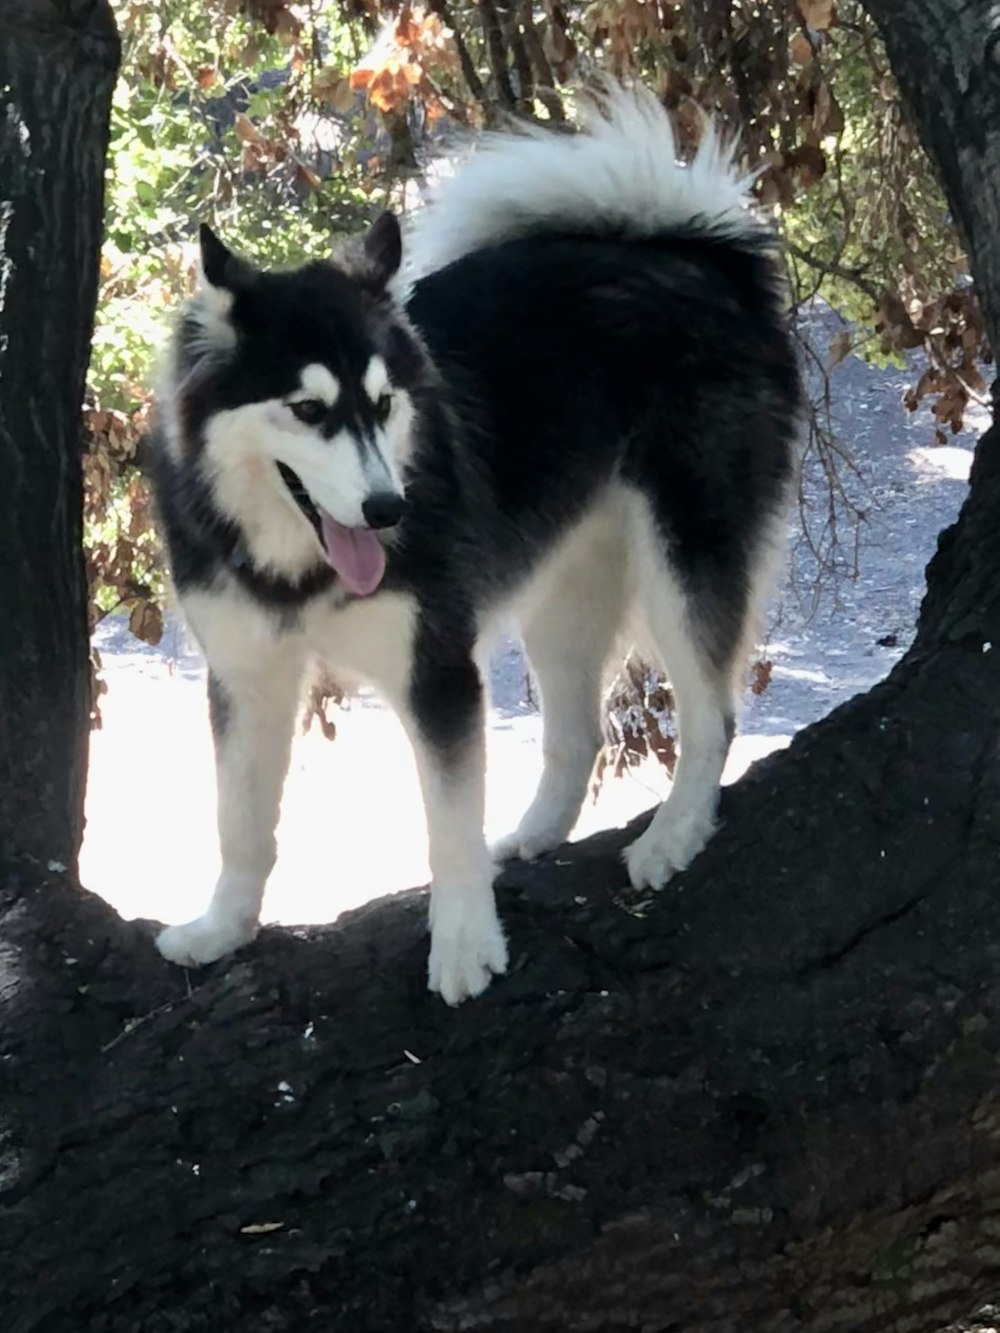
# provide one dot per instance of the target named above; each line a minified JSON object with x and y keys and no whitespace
{"x":498,"y":53}
{"x":472,"y":79}
{"x":545,"y":84}
{"x":525,"y":76}
{"x":835,"y":270}
{"x":133,"y":1023}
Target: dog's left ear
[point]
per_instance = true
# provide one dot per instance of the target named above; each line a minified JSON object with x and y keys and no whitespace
{"x":382,"y":244}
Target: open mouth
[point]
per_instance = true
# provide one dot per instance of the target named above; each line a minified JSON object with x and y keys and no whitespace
{"x":355,"y":554}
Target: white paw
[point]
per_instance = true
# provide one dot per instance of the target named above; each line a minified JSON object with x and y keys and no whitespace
{"x":662,"y":851}
{"x":546,"y":825}
{"x":467,"y":947}
{"x":527,"y":846}
{"x":205,"y":939}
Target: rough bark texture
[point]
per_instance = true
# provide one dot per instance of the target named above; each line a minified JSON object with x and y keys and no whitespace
{"x":946,"y":59}
{"x":767,"y":1098}
{"x":58,"y":60}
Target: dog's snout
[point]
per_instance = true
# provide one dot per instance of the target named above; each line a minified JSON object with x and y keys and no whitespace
{"x":384,"y":509}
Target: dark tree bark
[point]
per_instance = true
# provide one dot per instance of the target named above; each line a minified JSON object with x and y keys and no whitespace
{"x":58,"y":60}
{"x":766,"y":1099}
{"x":946,"y":59}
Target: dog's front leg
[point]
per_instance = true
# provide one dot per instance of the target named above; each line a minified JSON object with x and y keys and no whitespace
{"x":447,"y":730}
{"x":253,"y":716}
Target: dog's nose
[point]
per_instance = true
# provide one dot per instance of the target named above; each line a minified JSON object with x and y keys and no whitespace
{"x":384,"y":509}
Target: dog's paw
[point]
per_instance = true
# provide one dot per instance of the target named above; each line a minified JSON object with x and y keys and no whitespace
{"x":467,"y":949}
{"x":660,"y":853}
{"x":528,"y":846}
{"x":546,"y":825}
{"x":204,"y":939}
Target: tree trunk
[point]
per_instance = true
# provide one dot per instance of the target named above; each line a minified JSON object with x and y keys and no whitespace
{"x":946,"y":59}
{"x":766,"y":1099}
{"x":58,"y":60}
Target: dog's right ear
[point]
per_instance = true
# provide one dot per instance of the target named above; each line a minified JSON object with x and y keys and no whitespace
{"x":216,"y":259}
{"x":220,"y":276}
{"x":220,"y":270}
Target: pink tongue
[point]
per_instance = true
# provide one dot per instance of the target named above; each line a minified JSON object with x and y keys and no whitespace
{"x":356,"y":554}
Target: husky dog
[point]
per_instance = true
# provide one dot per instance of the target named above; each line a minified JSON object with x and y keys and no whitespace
{"x":575,"y":409}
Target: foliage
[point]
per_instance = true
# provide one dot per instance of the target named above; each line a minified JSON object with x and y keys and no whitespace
{"x":283,"y":122}
{"x":216,"y":117}
{"x":639,"y":724}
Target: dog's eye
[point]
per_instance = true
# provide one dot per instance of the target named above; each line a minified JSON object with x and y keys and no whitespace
{"x":383,"y":407}
{"x":310,"y":411}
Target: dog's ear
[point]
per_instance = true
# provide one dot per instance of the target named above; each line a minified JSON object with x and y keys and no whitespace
{"x":215,"y":257}
{"x":382,"y":245}
{"x":220,"y":269}
{"x":372,"y":258}
{"x":218,"y":261}
{"x":221,"y":274}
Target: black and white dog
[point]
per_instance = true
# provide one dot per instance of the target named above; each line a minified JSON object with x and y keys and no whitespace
{"x":578,"y":415}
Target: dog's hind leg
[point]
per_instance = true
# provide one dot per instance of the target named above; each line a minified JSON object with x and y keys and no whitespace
{"x":701,"y":643}
{"x":567,"y":638}
{"x":445,"y":721}
{"x":253,"y":715}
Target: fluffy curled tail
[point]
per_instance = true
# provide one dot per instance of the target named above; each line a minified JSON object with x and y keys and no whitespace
{"x":618,"y":176}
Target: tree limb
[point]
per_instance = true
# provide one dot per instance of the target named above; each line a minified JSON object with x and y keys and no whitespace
{"x":832,"y":269}
{"x":498,"y":53}
{"x":472,"y":79}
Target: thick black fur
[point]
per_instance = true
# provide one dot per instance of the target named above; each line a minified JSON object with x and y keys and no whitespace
{"x":544,"y":368}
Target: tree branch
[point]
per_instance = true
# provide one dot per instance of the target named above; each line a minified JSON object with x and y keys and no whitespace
{"x":472,"y":79}
{"x":832,"y":269}
{"x":545,"y":84}
{"x":498,"y":53}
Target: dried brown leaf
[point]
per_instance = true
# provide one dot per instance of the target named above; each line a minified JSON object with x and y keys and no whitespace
{"x":761,"y":673}
{"x":146,"y":622}
{"x":839,"y":348}
{"x":247,"y":132}
{"x":818,"y":14}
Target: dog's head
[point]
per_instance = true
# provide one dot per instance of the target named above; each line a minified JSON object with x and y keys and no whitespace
{"x":293,"y":392}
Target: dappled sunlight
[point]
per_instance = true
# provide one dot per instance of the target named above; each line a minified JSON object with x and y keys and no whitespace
{"x":352,"y":824}
{"x":943,"y":460}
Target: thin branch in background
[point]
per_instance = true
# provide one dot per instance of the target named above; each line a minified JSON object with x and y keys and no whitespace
{"x":832,"y":269}
{"x":824,"y":537}
{"x":743,"y":93}
{"x":473,"y":82}
{"x":525,"y":78}
{"x":498,"y":54}
{"x":545,"y":84}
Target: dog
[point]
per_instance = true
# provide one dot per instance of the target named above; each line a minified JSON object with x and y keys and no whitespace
{"x":574,"y":409}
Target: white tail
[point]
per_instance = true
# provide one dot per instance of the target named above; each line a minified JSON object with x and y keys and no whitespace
{"x":620,"y":174}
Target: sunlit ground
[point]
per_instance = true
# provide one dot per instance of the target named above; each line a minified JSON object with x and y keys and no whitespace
{"x":352,"y":822}
{"x":943,"y":460}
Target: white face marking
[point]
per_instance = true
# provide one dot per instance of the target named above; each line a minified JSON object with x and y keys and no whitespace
{"x":376,"y":379}
{"x":339,"y":473}
{"x":317,"y":382}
